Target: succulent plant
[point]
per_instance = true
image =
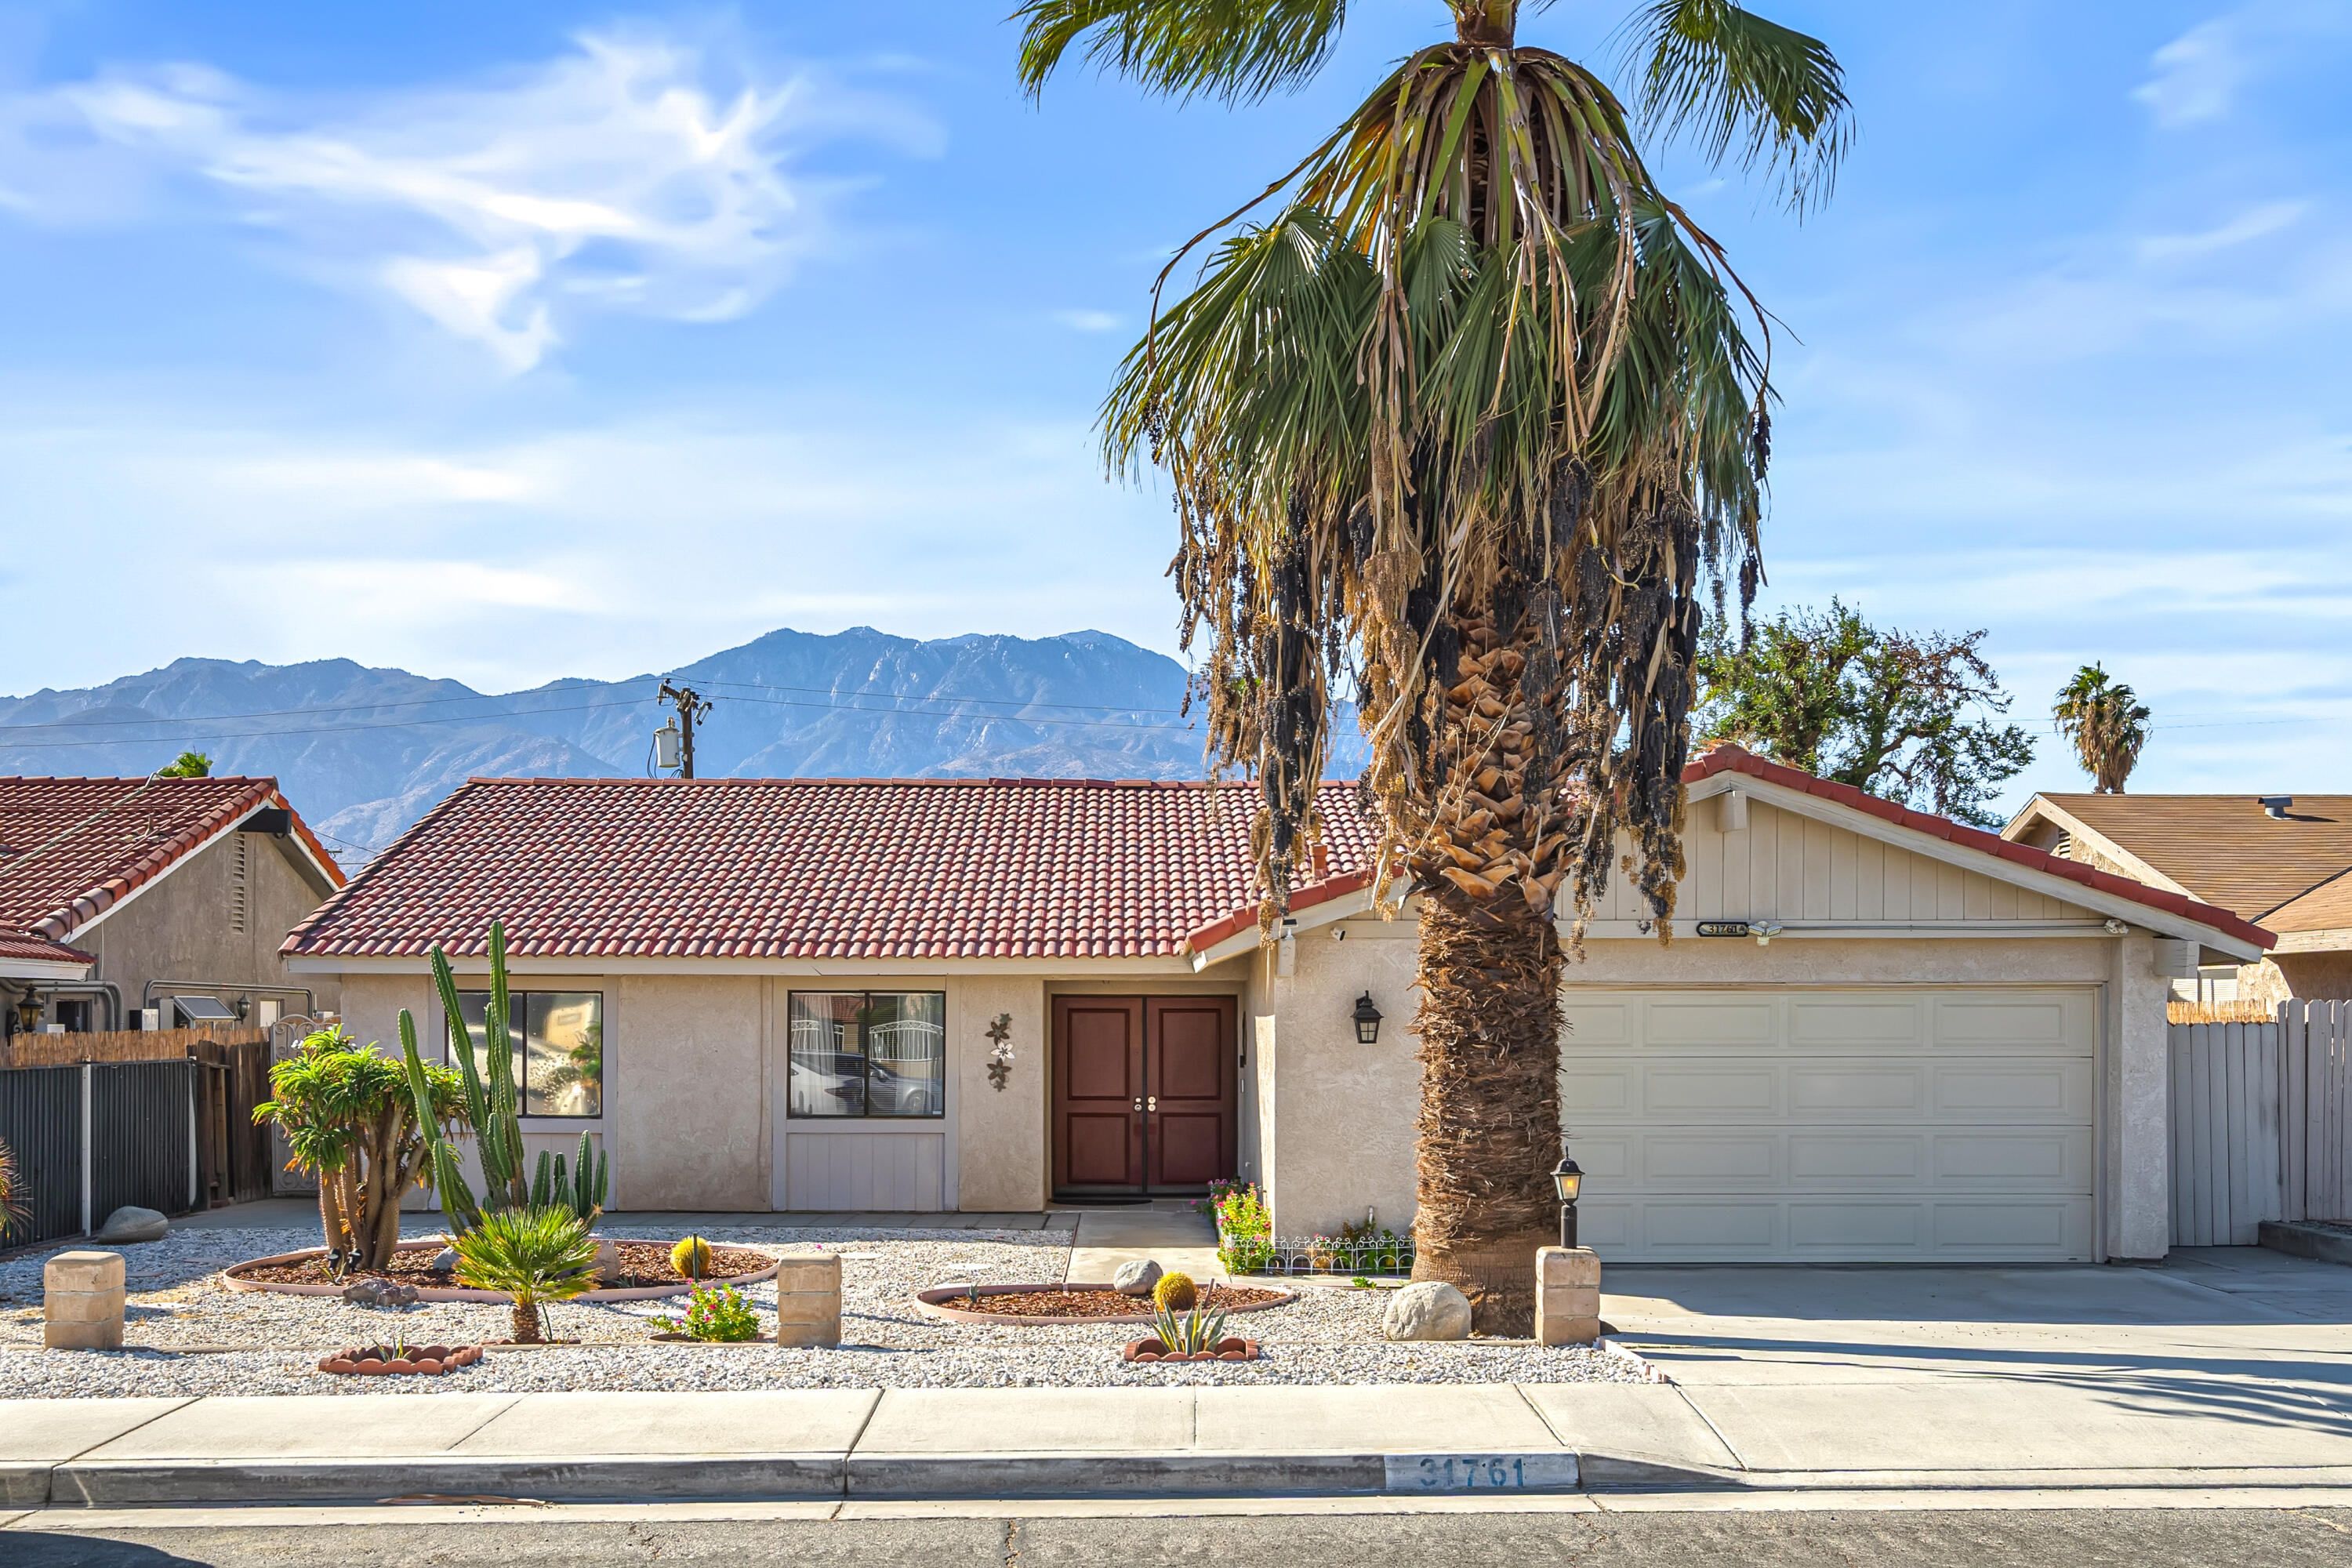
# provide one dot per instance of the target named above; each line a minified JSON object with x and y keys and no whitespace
{"x":1189,"y":1331}
{"x":530,"y":1256}
{"x":691,"y":1257}
{"x":582,"y":1191}
{"x":1175,"y":1294}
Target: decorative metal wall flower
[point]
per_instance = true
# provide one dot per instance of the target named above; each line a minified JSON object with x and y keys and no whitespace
{"x":1000,"y":1060}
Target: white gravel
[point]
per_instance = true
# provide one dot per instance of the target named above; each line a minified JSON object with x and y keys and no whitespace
{"x":187,"y":1335}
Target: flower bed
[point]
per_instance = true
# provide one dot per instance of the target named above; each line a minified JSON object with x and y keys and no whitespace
{"x":645,"y":1267}
{"x":399,"y":1361}
{"x":1078,"y":1303}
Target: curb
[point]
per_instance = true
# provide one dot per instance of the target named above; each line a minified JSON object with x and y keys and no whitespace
{"x":2297,"y":1239}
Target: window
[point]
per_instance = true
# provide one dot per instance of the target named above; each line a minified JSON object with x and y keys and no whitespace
{"x":869,"y":1053}
{"x":558,"y":1048}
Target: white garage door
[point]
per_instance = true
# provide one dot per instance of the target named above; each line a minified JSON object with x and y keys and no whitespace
{"x":1865,"y":1125}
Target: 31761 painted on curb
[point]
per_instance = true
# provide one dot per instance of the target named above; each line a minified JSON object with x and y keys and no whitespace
{"x":1480,"y":1472}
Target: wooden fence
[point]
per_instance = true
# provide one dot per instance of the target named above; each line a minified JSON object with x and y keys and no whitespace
{"x":2260,"y":1115}
{"x":233,"y":1157}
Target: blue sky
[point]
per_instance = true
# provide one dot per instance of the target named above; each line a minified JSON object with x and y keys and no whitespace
{"x":512,"y":342}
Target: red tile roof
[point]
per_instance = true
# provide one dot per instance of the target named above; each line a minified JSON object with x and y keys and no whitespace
{"x":839,"y":869}
{"x":39,"y":951}
{"x":71,"y":848}
{"x":1732,"y":759}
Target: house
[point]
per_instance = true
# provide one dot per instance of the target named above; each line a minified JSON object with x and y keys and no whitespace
{"x":1877,"y":1035}
{"x":2283,"y":861}
{"x":124,"y":897}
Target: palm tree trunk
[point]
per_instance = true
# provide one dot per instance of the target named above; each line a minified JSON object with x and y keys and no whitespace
{"x":1489,"y":1125}
{"x":1490,"y":971}
{"x":526,"y":1322}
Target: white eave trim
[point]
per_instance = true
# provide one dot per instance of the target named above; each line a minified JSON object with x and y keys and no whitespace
{"x":40,"y":969}
{"x":157,"y":881}
{"x":2050,"y":885}
{"x":1314,"y":917}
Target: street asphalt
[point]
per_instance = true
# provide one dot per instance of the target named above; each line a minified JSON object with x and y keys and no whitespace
{"x":2074,"y":1537}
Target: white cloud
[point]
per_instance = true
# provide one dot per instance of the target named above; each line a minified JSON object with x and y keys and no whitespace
{"x":617,"y":176}
{"x":2198,"y":75}
{"x":2254,"y":223}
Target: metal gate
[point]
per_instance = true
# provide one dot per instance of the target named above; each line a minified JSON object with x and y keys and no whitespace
{"x":40,"y":1120}
{"x":90,"y":1138}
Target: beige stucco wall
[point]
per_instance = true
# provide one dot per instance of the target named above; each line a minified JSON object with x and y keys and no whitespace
{"x":1002,"y":1156}
{"x":685,"y":1070}
{"x":182,"y":927}
{"x":1337,"y":1129}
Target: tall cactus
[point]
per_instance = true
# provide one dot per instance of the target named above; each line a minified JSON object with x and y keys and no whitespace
{"x":490,"y":1098}
{"x":583,"y":1192}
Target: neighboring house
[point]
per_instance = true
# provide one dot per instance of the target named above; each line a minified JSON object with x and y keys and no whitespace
{"x":118,"y":895}
{"x":2282,"y":861}
{"x":1906,"y":1039}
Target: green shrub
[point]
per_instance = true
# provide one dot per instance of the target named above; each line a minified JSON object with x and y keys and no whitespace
{"x":717,"y":1314}
{"x":530,"y":1256}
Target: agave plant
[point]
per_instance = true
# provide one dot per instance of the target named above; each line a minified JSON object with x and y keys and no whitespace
{"x":1461,"y":432}
{"x":1189,"y":1333}
{"x":530,"y":1256}
{"x":14,"y":1210}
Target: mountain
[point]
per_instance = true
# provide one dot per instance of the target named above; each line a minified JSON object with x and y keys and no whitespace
{"x":364,"y":753}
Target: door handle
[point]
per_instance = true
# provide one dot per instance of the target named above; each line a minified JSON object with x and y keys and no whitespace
{"x":1152,"y":1102}
{"x":1138,"y":1108}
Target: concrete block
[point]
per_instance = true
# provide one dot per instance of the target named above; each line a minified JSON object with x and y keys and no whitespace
{"x":83,"y":1306}
{"x":823,"y":1335}
{"x":808,"y":1299}
{"x":1568,"y":1296}
{"x":808,"y":1271}
{"x":105,"y":1335}
{"x":83,"y":1271}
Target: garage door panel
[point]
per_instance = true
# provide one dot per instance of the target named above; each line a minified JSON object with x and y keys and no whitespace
{"x":1590,"y":1024}
{"x":1825,"y":1023}
{"x":1709,"y":1021}
{"x":2012,"y":1088}
{"x":1711,"y":1159}
{"x":1847,"y":1090}
{"x":1885,"y":1230}
{"x":1865,"y":1125}
{"x":1712,"y":1088}
{"x":1750,"y":1229}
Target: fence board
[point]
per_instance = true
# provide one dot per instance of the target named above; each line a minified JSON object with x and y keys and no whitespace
{"x":2291,"y":1116}
{"x":2261,"y":1123}
{"x":40,"y":1120}
{"x":2184,"y":1164}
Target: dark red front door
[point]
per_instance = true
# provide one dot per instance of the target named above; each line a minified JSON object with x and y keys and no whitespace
{"x":1144,"y":1093}
{"x":1098,"y":1094}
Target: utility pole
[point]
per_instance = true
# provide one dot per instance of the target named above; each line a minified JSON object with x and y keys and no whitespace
{"x":690,"y":707}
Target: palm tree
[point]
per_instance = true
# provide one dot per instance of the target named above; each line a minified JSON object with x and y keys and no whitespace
{"x":2108,"y":724}
{"x":530,"y":1254}
{"x":1461,"y":424}
{"x":14,"y":1210}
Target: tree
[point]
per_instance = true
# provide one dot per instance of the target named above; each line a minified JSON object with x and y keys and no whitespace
{"x":1461,"y":424}
{"x":188,"y":765}
{"x":349,"y":1117}
{"x":1910,"y":719}
{"x":2105,"y":722}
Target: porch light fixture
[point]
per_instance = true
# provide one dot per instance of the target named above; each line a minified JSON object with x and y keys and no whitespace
{"x":1567,"y":1180}
{"x":1368,"y":1021}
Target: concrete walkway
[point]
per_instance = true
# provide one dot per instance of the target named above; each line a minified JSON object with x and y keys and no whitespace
{"x":1166,"y":1230}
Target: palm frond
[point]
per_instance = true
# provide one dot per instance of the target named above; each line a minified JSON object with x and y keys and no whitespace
{"x":1739,"y":85}
{"x":1239,"y":50}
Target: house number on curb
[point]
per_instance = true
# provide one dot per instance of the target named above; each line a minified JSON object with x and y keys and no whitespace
{"x":1479,"y":1472}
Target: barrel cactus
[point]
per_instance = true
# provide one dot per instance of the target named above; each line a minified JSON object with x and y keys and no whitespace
{"x":1175,"y":1294}
{"x":691,"y":1257}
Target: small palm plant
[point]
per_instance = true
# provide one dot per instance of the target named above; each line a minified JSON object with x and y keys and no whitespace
{"x":530,"y":1254}
{"x":14,"y":1210}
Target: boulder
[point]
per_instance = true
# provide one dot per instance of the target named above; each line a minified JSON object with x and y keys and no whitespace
{"x":608,"y":1261}
{"x":1135,"y":1277}
{"x":1430,"y":1310}
{"x":445,"y":1260}
{"x":130,"y":1224}
{"x":373,"y":1292}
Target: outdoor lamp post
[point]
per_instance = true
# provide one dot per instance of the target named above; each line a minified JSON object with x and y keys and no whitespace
{"x":1368,"y":1021}
{"x":1567,"y":1179}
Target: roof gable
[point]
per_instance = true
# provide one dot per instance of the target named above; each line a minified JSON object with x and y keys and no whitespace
{"x":73,"y":848}
{"x":2224,"y":849}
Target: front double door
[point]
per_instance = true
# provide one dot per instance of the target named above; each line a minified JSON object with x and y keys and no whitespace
{"x":1144,"y":1094}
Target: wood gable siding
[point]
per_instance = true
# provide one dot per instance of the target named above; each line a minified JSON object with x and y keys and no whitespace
{"x":1787,"y":868}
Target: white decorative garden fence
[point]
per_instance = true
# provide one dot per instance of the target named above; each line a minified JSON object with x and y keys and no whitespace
{"x":2262,"y":1124}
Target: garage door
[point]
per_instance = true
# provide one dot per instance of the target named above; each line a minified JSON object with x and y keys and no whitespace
{"x":1802,"y":1125}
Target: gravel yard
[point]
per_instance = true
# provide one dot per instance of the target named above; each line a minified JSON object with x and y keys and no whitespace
{"x":187,"y":1335}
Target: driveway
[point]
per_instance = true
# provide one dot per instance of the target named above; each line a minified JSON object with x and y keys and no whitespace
{"x":2233,"y":1361}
